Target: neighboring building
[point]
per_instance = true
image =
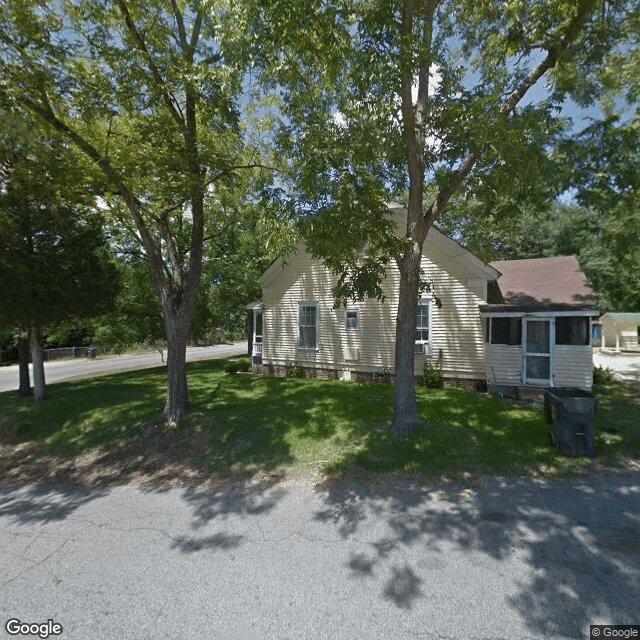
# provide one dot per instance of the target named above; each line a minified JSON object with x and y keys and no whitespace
{"x":532,"y":332}
{"x":620,"y":331}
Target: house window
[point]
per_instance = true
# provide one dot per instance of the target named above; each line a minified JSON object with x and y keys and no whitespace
{"x":506,"y":331}
{"x":352,"y":321}
{"x":308,"y":326}
{"x":422,"y":327}
{"x":572,"y":330}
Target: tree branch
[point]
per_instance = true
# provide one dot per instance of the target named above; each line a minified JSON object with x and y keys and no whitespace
{"x":148,"y":239}
{"x":551,"y":59}
{"x":182,"y":34}
{"x":169,"y":99}
{"x":230,"y":170}
{"x":195,"y":31}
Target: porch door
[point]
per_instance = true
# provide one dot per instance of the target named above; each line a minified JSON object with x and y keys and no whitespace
{"x":257,"y":333}
{"x":538,"y":361}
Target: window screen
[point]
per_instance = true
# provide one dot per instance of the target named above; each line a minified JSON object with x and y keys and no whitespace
{"x":572,"y":330}
{"x":506,"y":331}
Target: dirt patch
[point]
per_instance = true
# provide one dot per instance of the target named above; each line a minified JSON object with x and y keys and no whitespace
{"x":160,"y":458}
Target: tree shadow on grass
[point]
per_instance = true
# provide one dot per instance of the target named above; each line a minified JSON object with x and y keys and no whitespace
{"x":566,"y":554}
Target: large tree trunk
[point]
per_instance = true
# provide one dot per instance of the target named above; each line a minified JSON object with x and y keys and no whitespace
{"x":24,"y":382}
{"x":177,"y":405}
{"x":39,"y":387}
{"x":405,"y":407}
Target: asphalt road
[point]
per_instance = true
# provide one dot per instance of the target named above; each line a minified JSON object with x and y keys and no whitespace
{"x":516,"y":559}
{"x":59,"y":370}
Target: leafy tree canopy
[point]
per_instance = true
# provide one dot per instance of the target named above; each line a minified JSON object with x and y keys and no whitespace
{"x":53,"y":258}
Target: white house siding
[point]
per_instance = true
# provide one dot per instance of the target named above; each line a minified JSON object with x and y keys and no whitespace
{"x":573,"y":366}
{"x":504,"y":364}
{"x":456,"y":333}
{"x":455,"y":329}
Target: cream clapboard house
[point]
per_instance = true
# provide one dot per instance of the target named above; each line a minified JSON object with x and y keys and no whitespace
{"x":481,"y":332}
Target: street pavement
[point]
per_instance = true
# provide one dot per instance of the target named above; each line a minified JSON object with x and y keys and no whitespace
{"x":511,"y":559}
{"x":59,"y":370}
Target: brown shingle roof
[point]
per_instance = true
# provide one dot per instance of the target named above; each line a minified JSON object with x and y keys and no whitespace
{"x":542,"y":282}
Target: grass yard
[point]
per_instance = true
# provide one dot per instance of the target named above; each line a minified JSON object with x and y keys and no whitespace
{"x":252,"y":430}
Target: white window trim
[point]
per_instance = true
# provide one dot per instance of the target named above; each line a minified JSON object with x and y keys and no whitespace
{"x":346,"y":326}
{"x":426,"y":344}
{"x":308,"y":303}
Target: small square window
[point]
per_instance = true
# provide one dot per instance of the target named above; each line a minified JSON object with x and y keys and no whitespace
{"x":352,"y":321}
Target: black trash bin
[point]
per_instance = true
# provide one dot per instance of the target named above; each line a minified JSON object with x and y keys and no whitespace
{"x":572,"y":412}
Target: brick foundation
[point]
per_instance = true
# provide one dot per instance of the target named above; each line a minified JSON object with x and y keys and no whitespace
{"x":281,"y":371}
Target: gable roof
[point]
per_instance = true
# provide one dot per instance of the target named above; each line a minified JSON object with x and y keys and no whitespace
{"x":435,"y":237}
{"x":621,"y":319}
{"x":541,"y":284}
{"x":445,"y":243}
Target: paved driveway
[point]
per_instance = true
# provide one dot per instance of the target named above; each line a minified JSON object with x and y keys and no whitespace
{"x":59,"y":370}
{"x":625,"y":366}
{"x":516,"y":559}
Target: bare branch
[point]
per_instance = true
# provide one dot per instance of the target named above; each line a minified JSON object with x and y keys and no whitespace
{"x":169,"y":99}
{"x":213,"y":236}
{"x":195,"y":31}
{"x":230,"y":170}
{"x":182,"y":34}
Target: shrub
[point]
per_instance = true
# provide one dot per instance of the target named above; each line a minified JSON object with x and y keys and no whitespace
{"x":232,"y":367}
{"x":244,"y":365}
{"x":295,"y":371}
{"x":602,"y":376}
{"x":432,"y":376}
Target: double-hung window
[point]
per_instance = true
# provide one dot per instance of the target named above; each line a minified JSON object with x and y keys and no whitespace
{"x":308,"y":325}
{"x":423,"y":343}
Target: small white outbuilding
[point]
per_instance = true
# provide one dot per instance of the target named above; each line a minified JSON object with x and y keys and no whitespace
{"x":620,"y":331}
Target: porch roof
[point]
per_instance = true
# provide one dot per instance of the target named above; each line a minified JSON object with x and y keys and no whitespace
{"x":541,"y":284}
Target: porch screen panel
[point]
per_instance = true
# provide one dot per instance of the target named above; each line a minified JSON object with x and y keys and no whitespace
{"x":538,"y":367}
{"x":572,"y":331}
{"x":538,"y":343}
{"x":506,"y":331}
{"x":538,"y":336}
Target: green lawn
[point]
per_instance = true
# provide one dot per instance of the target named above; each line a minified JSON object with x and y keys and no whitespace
{"x":246,"y":428}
